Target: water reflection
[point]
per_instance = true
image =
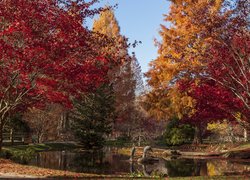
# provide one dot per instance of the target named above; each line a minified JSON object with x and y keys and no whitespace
{"x":98,"y":162}
{"x":110,"y":161}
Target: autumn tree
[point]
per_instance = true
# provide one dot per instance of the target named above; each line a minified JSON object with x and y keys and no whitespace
{"x":43,"y":123}
{"x":230,"y":69}
{"x":121,"y":77}
{"x":47,"y":54}
{"x":225,"y":76}
{"x":183,"y":54}
{"x":212,"y":104}
{"x":136,"y":69}
{"x":183,"y":44}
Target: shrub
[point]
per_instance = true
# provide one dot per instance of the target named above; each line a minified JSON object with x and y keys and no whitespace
{"x":177,"y":134}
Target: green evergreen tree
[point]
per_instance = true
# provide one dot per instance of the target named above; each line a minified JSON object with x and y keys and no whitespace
{"x":93,"y":116}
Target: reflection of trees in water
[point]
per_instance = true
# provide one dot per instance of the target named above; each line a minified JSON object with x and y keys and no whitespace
{"x":90,"y":162}
{"x":223,"y":167}
{"x":212,"y":167}
{"x":179,"y":167}
{"x":110,"y":162}
{"x":78,"y":162}
{"x":186,"y":167}
{"x":54,"y":160}
{"x":175,"y":167}
{"x":100,"y":162}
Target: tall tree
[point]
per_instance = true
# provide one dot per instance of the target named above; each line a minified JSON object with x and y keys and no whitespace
{"x":46,"y":54}
{"x":230,"y":69}
{"x":136,"y":68}
{"x":93,"y":116}
{"x":121,"y":77}
{"x":183,"y":53}
{"x":107,"y":24}
{"x":226,"y":73}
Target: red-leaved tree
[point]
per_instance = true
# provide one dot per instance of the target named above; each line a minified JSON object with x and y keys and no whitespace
{"x":47,"y":55}
{"x":230,"y":68}
{"x":212,"y":103}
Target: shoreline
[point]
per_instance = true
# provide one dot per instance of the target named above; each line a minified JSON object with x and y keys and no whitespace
{"x":10,"y":169}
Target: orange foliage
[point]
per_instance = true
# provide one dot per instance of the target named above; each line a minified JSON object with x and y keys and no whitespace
{"x":182,"y":53}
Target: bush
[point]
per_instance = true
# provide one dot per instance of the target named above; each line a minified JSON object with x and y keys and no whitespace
{"x":177,"y":134}
{"x":23,"y":156}
{"x":20,"y":156}
{"x":124,"y":138}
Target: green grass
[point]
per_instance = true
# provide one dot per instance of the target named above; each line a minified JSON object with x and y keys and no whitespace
{"x":22,"y":153}
{"x":118,"y":143}
{"x":43,"y":147}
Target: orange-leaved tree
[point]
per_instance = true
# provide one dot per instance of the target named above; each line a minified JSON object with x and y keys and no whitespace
{"x":121,"y":76}
{"x":182,"y":53}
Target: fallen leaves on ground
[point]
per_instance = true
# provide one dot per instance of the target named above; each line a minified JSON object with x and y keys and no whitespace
{"x":7,"y":166}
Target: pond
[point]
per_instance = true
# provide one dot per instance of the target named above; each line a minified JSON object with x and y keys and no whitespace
{"x":110,"y":162}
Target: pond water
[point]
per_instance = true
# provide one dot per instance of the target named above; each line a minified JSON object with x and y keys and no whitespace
{"x":109,"y":161}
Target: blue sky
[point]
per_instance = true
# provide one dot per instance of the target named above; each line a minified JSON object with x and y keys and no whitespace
{"x":140,"y":20}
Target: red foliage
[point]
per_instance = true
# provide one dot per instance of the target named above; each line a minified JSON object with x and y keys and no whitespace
{"x":224,"y":89}
{"x":213,"y":102}
{"x":46,"y":52}
{"x":230,"y":67}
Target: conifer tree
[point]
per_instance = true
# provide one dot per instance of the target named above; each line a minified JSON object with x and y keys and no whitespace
{"x":184,"y":45}
{"x":136,"y":68}
{"x":92,"y":118}
{"x":121,"y":77}
{"x":183,"y":55}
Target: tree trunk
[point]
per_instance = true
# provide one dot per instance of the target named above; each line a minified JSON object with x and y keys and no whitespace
{"x":198,"y":135}
{"x":245,"y":135}
{"x":38,"y":138}
{"x":139,"y":138}
{"x":231,"y":133}
{"x":1,"y":136}
{"x":129,"y":132}
{"x":12,"y":136}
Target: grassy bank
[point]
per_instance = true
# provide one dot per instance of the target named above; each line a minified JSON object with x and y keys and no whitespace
{"x":241,"y":151}
{"x":118,"y":143}
{"x":232,"y":151}
{"x":23,"y":153}
{"x":43,"y":147}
